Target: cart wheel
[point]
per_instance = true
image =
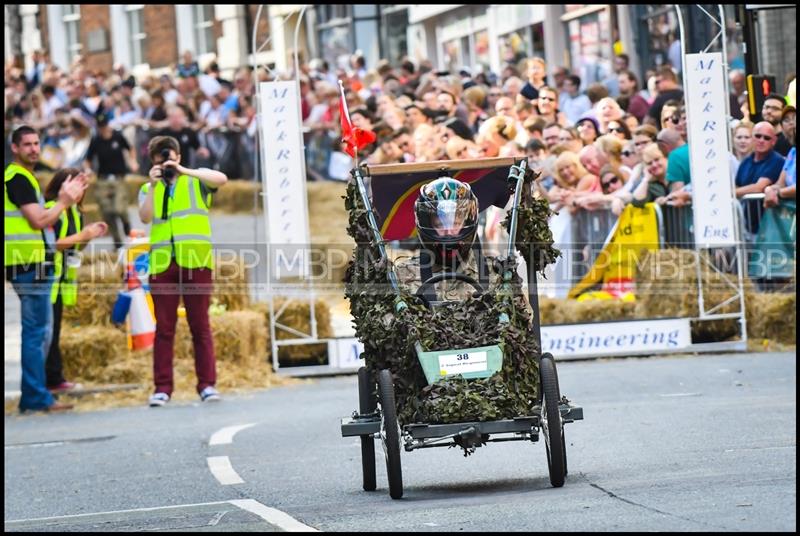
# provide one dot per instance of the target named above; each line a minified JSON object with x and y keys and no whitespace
{"x":551,"y":423}
{"x":366,"y":404}
{"x":563,"y":434}
{"x":390,"y":434}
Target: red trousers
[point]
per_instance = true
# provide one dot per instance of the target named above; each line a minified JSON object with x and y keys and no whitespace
{"x":167,"y":288}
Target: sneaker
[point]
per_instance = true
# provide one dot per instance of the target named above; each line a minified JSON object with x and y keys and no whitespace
{"x":158,"y":399}
{"x":210,"y":394}
{"x":64,"y":387}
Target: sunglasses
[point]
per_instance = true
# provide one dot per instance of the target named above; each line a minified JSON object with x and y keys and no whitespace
{"x":627,"y":153}
{"x":611,"y":181}
{"x":762,"y":137}
{"x":616,"y":129}
{"x":675,"y":119}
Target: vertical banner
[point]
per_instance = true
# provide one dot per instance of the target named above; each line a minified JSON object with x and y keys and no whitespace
{"x":284,"y":178}
{"x":707,"y":124}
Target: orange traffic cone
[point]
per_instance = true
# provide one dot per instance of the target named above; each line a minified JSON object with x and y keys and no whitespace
{"x":142,"y":324}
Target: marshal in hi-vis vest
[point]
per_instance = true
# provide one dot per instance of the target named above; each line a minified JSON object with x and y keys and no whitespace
{"x":23,"y":245}
{"x":66,"y":271}
{"x":184,"y":232}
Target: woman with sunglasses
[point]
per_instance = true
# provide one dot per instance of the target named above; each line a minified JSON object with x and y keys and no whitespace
{"x":611,"y":195}
{"x":619,"y":129}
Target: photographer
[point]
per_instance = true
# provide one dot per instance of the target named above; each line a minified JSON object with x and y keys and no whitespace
{"x":176,"y":201}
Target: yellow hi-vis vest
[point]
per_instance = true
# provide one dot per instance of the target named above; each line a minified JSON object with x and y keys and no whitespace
{"x":23,"y":245}
{"x":68,"y":284}
{"x":184,"y":232}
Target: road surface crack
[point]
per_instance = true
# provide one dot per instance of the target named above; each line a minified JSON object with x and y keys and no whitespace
{"x":650,"y":508}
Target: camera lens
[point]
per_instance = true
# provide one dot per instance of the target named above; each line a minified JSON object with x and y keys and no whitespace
{"x":168,"y":172}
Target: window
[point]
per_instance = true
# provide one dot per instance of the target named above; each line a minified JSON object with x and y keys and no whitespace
{"x":204,"y":28}
{"x":72,"y":20}
{"x":135,"y":16}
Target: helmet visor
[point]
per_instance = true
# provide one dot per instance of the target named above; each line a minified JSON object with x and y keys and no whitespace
{"x":448,"y":218}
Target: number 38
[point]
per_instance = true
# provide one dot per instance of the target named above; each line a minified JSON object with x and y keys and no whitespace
{"x":462,"y":357}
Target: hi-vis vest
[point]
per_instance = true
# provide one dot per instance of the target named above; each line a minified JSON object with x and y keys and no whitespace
{"x":66,"y":276}
{"x":23,"y":245}
{"x":185,"y":231}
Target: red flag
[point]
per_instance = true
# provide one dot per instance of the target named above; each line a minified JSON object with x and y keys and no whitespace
{"x":354,"y":138}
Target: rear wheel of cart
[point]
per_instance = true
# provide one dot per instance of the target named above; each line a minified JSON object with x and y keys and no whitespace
{"x":366,"y":405}
{"x":563,"y":432}
{"x":390,"y":434}
{"x":552,"y":427}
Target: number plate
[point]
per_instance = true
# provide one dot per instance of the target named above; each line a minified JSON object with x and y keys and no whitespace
{"x":463,"y":362}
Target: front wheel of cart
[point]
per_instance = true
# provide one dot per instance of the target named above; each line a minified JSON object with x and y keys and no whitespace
{"x":366,"y":405}
{"x":390,"y":434}
{"x":552,"y":426}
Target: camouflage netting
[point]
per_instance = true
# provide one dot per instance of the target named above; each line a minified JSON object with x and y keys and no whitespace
{"x":389,"y":337}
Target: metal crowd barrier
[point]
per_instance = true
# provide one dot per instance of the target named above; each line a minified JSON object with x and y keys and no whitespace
{"x":590,"y":230}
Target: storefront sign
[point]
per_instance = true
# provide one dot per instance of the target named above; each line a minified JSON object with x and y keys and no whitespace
{"x":707,"y":126}
{"x":284,"y":175}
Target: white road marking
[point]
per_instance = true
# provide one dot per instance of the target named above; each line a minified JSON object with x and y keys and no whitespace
{"x":73,"y":516}
{"x":225,"y":435}
{"x":270,"y":515}
{"x":222,"y":470}
{"x":273,"y":516}
{"x":682,"y":394}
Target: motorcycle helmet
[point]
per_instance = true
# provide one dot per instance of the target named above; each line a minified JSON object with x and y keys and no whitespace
{"x":446,"y":217}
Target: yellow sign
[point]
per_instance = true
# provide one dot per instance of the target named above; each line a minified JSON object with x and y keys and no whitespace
{"x":615,"y":266}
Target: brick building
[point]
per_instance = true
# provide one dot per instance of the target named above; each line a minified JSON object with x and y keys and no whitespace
{"x":141,"y":36}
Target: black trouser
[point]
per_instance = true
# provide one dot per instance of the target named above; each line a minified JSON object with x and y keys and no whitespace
{"x":53,"y":367}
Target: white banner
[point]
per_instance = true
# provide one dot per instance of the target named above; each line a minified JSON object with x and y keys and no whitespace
{"x":345,"y":353}
{"x":616,"y":338}
{"x":284,"y":174}
{"x":707,"y":125}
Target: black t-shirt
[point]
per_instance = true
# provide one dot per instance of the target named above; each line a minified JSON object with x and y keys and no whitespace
{"x":529,"y":92}
{"x":21,"y":192}
{"x":187,"y":138}
{"x":110,"y":154}
{"x":655,"y":109}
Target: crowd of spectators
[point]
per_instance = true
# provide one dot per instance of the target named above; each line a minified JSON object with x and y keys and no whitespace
{"x":214,"y":118}
{"x":600,"y":146}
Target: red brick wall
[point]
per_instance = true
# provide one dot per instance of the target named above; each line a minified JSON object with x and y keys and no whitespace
{"x":161,"y":45}
{"x":95,"y":17}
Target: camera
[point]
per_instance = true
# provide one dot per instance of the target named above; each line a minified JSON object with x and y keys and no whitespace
{"x":167,"y":172}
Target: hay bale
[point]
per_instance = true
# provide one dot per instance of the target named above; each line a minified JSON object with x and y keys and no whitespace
{"x":232,"y":283}
{"x":772,"y":316}
{"x":564,"y":311}
{"x":328,"y":220}
{"x":97,"y":354}
{"x":297,"y":316}
{"x":238,"y":196}
{"x":667,"y":286}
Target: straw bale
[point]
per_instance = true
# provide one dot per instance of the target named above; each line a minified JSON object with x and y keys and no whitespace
{"x":328,"y":220}
{"x":772,"y":316}
{"x":563,"y":311}
{"x":96,"y":354}
{"x":297,"y":316}
{"x":231,"y":283}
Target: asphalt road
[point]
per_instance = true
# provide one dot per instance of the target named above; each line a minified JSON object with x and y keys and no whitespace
{"x":691,"y":443}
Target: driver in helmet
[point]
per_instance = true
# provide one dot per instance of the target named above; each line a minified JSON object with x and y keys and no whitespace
{"x":446,"y":217}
